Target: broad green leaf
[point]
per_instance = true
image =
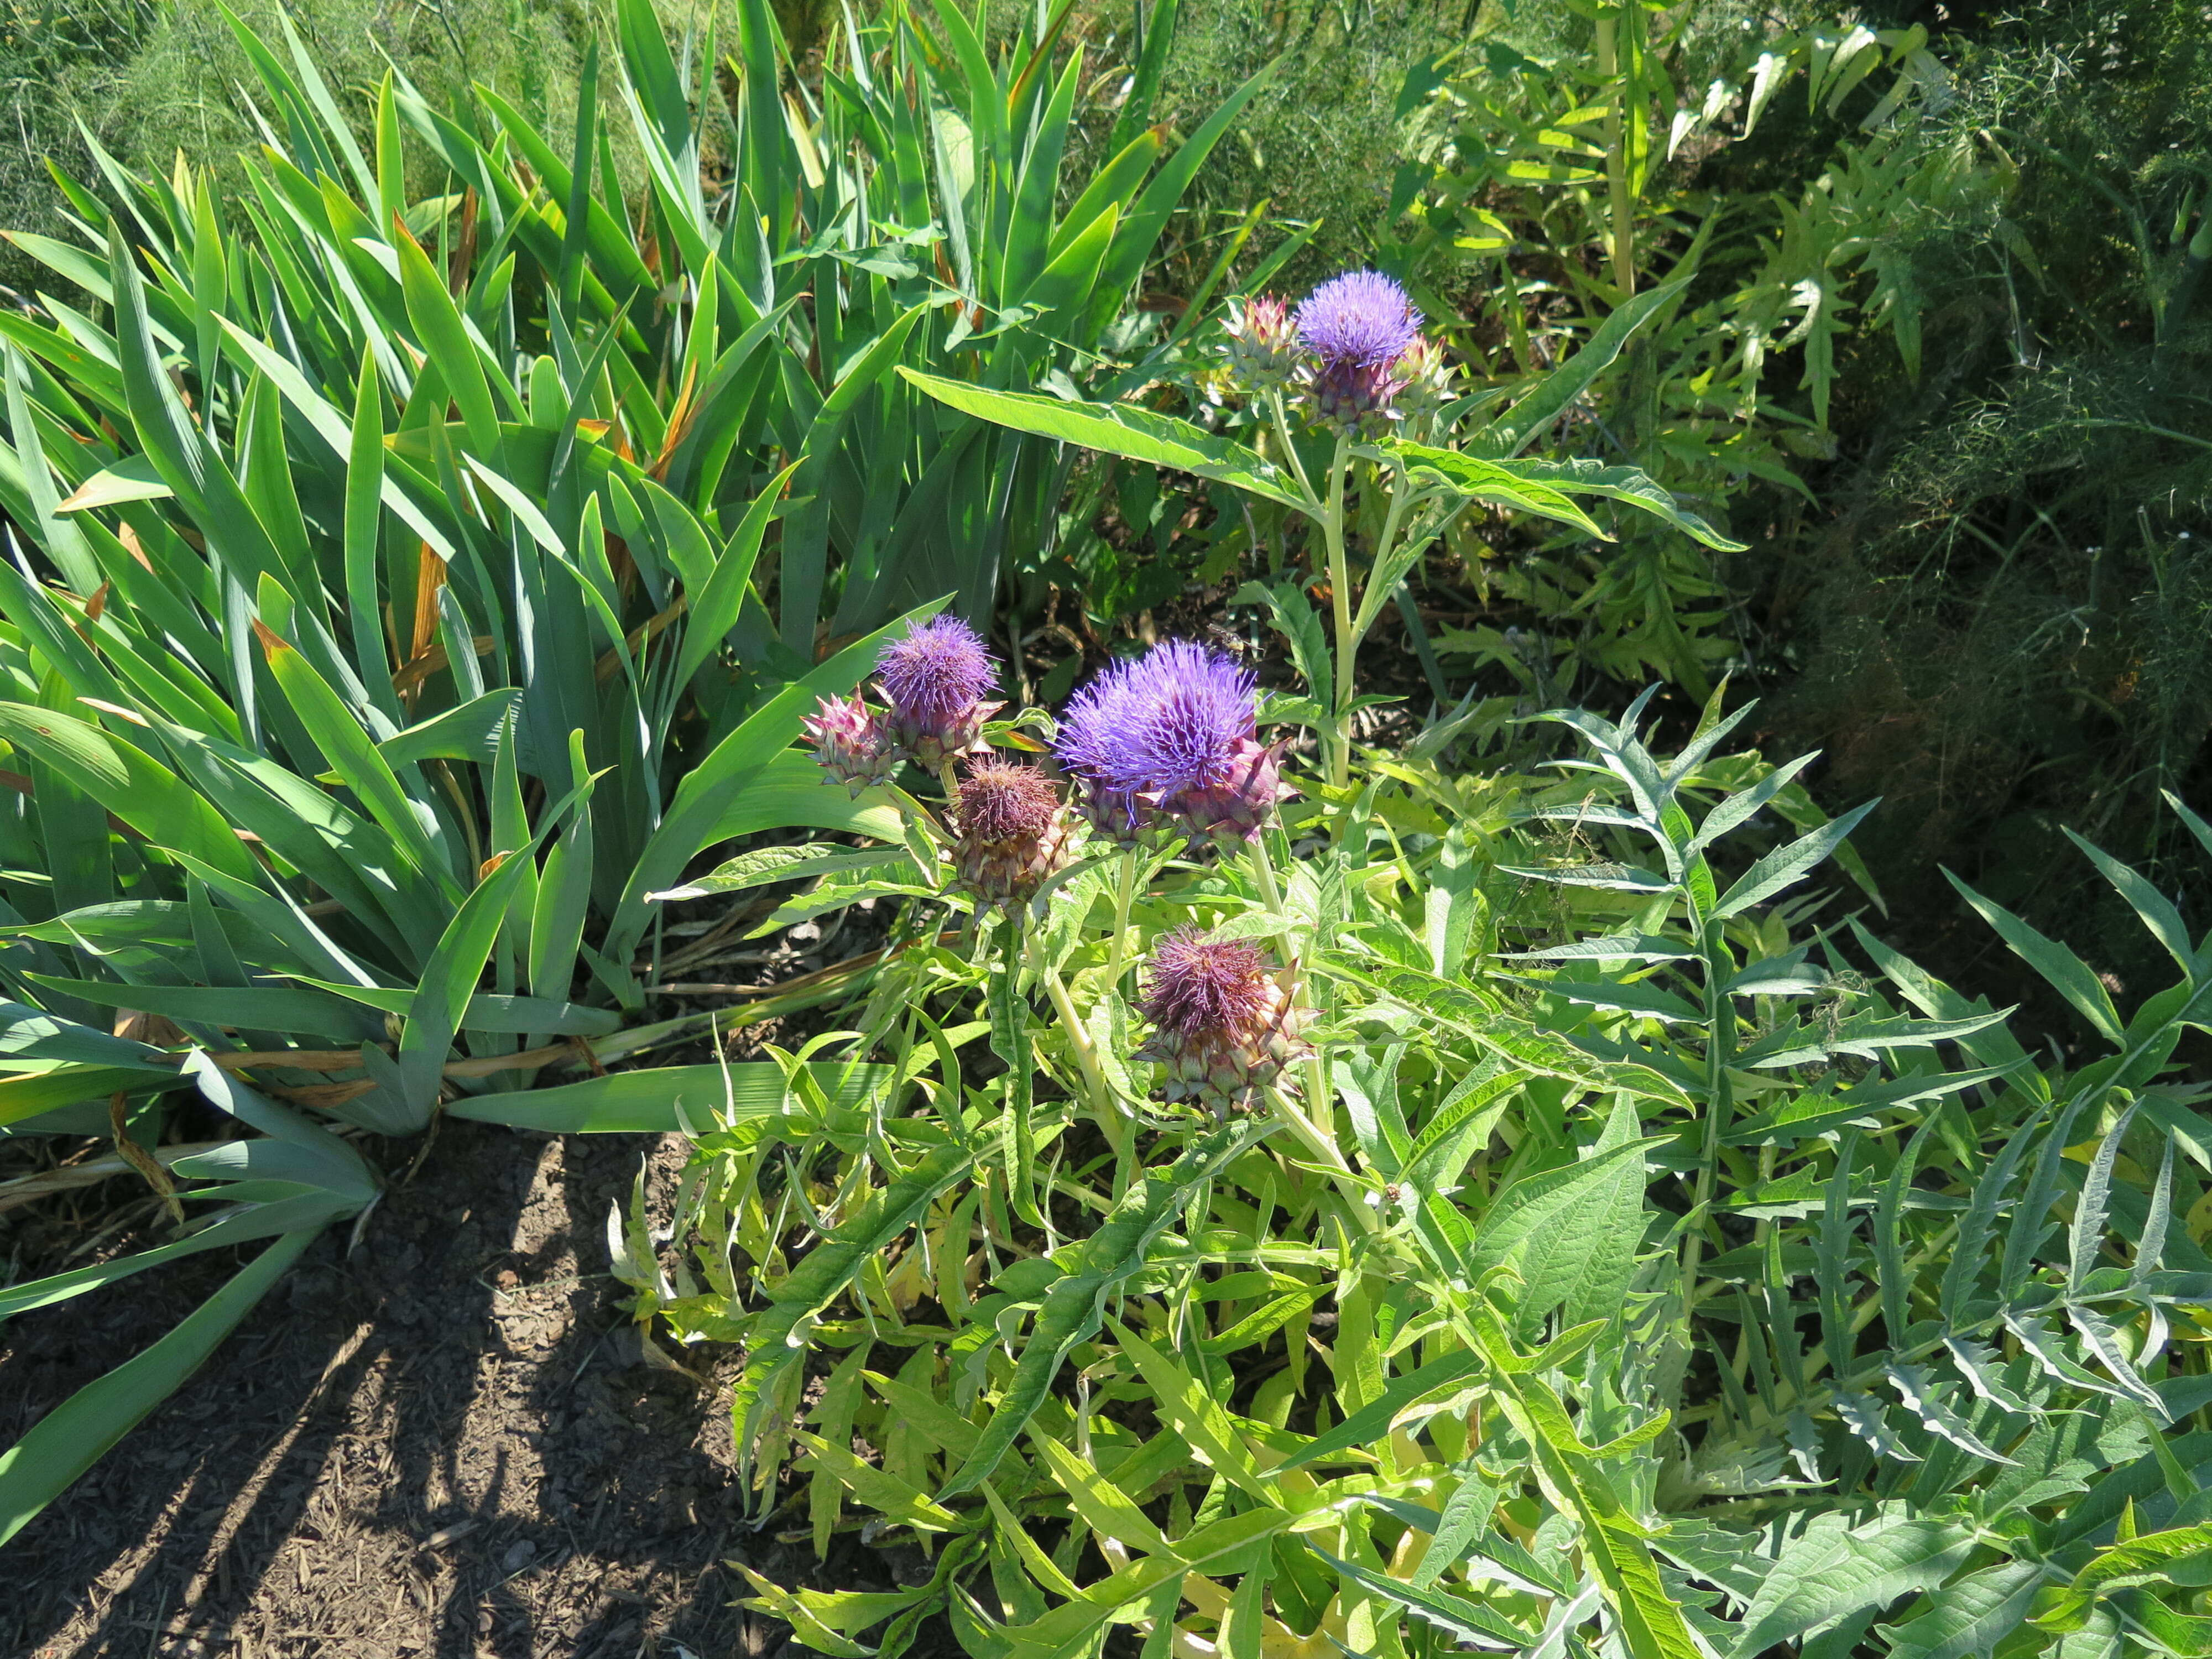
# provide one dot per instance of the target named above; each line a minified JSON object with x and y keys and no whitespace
{"x":2065,"y":973}
{"x":75,"y":1434}
{"x":1833,"y":1572}
{"x":1123,"y":430}
{"x":1519,"y":426}
{"x":1971,"y":1616}
{"x":1467,"y":1623}
{"x":1074,"y":1306}
{"x":129,"y":783}
{"x":669,"y":1099}
{"x":1501,"y":482}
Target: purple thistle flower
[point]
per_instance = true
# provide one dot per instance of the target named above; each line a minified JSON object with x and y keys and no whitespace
{"x":1013,"y":832}
{"x":934,"y":675}
{"x":1224,"y":1026}
{"x":1160,"y":723}
{"x":1173,"y":731}
{"x":1361,"y":319}
{"x":935,"y":668}
{"x":1199,"y":985}
{"x":1004,"y":801}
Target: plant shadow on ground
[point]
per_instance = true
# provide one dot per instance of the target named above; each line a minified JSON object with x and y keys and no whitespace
{"x":472,"y":1382}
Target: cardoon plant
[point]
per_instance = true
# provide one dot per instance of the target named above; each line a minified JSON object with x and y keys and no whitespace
{"x":1377,"y":413}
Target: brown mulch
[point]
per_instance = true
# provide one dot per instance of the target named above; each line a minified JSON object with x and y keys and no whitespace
{"x":444,"y":1442}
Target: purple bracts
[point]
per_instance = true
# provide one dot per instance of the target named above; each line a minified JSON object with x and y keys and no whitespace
{"x":850,"y":743}
{"x":1223,"y":1027}
{"x":1013,"y":832}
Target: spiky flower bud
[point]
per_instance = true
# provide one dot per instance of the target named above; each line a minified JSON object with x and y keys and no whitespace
{"x":1224,"y":1024}
{"x":1262,"y":349}
{"x":850,"y":743}
{"x":1424,"y":380}
{"x":1013,"y":832}
{"x":934,"y":676}
{"x":1358,"y":326}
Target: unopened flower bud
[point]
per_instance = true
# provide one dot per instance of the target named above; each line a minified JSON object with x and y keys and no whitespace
{"x":1224,"y":1024}
{"x":1424,"y":380}
{"x":850,"y":743}
{"x":1013,"y":832}
{"x":1263,"y":350}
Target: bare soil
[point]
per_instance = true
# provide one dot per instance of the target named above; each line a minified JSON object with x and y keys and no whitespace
{"x":443,"y":1442}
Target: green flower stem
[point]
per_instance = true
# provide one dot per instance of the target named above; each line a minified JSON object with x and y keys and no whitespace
{"x":1347,"y":648}
{"x":1291,"y":452}
{"x":948,"y":780}
{"x":1078,"y":1039}
{"x":1125,"y":896}
{"x":1321,"y":1144}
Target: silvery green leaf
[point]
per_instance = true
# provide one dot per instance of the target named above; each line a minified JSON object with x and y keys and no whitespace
{"x":1786,"y":975}
{"x":1625,"y":878}
{"x":1918,"y":1391}
{"x":767,"y":865}
{"x":1862,"y":1416}
{"x":2104,"y":1342}
{"x":2041,"y":1342}
{"x":1610,"y":947}
{"x":1980,"y":1366}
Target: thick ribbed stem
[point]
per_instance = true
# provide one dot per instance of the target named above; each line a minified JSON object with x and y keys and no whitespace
{"x":1125,"y":896}
{"x":1316,"y":1138}
{"x":1347,"y":648}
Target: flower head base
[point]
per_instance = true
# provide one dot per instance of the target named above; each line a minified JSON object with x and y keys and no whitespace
{"x":1360,"y":319}
{"x":1263,"y":352}
{"x":850,"y":742}
{"x":934,"y":676}
{"x":1354,"y":398}
{"x":1173,"y":732}
{"x":1013,"y":832}
{"x":1233,"y":806}
{"x":1224,"y":1025}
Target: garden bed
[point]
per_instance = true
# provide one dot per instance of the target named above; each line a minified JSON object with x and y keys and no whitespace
{"x":445,"y":1441}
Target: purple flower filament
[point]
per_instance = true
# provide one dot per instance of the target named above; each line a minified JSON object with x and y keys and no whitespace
{"x":1166,"y":722}
{"x":936,"y":670}
{"x":1361,"y":319}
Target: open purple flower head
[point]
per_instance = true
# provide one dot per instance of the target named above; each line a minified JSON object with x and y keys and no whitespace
{"x":1171,"y":732}
{"x":1224,"y":1026}
{"x":935,"y":669}
{"x":1162,"y":723}
{"x":1199,"y":985}
{"x":1362,"y":320}
{"x":934,"y":676}
{"x":1013,"y":832}
{"x":1005,"y":801}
